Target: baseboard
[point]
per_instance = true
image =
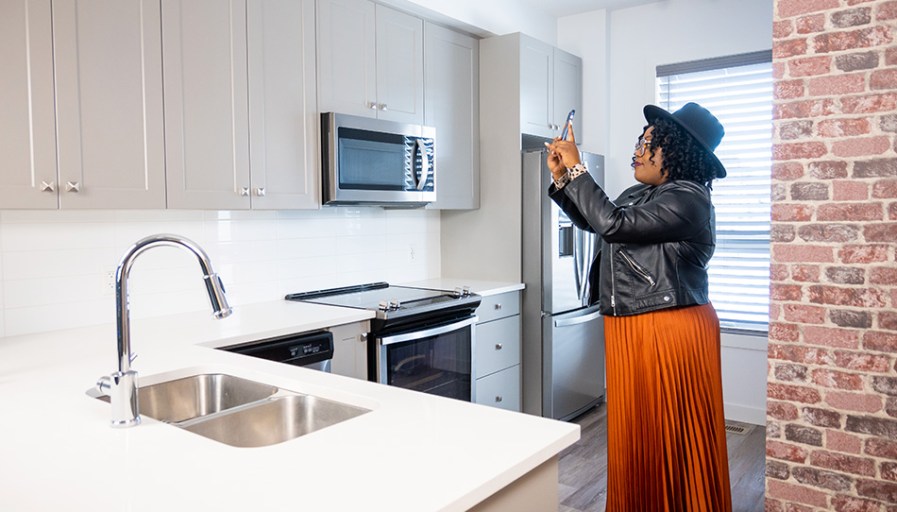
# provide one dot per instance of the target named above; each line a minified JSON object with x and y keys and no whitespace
{"x":752,"y":415}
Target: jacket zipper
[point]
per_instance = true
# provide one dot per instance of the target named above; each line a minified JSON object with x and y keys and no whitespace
{"x":638,"y":270}
{"x":613,"y":286}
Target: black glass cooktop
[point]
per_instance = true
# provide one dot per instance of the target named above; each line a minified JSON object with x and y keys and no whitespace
{"x":390,"y":301}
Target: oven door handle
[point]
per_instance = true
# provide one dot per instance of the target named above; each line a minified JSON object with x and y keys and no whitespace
{"x":416,"y":335}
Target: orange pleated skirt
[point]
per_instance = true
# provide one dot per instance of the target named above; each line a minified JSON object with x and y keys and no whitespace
{"x":666,"y":436}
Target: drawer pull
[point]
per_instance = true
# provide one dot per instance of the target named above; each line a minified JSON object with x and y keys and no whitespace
{"x":497,"y":306}
{"x":498,"y":399}
{"x":498,"y":346}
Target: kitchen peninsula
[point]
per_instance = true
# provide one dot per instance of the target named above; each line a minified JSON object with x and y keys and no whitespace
{"x":412,"y":452}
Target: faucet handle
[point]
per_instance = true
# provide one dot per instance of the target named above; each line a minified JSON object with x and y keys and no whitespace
{"x":133,"y":357}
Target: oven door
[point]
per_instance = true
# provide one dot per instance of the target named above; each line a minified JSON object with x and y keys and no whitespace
{"x":437,"y":360}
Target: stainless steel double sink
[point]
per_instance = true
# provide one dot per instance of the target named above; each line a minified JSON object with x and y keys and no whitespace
{"x":237,"y":411}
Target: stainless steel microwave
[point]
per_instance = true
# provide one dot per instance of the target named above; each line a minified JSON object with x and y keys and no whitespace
{"x":369,"y":161}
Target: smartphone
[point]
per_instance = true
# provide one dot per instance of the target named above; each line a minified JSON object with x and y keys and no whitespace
{"x":567,"y":124}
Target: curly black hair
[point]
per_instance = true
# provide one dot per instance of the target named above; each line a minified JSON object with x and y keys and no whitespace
{"x":683,"y":157}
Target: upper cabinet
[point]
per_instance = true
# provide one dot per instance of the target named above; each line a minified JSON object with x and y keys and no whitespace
{"x":283,"y":119}
{"x":230,"y":67}
{"x":550,"y":85}
{"x":370,"y":61}
{"x":108,"y":59}
{"x":451,"y":85}
{"x":27,"y":124}
{"x":206,"y":103}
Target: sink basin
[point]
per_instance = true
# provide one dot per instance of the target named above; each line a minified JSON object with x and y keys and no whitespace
{"x":275,"y":420}
{"x":198,"y":395}
{"x":236,"y":411}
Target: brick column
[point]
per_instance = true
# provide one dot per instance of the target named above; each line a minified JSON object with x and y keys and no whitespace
{"x":832,"y":383}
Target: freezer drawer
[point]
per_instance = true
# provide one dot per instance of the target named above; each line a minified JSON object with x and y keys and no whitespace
{"x":573,"y":363}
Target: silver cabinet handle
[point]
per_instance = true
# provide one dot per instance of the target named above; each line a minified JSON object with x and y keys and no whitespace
{"x":48,"y":187}
{"x":260,"y":191}
{"x":498,"y":306}
{"x":499,"y":346}
{"x":382,"y":106}
{"x":72,"y":186}
{"x":372,"y":105}
{"x":498,"y":398}
{"x":244,"y":191}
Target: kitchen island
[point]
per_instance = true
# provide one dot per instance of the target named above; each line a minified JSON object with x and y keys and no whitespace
{"x":412,"y":452}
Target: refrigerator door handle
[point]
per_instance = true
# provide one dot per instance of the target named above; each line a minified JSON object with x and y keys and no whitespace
{"x":577,"y":262}
{"x":578,"y":320}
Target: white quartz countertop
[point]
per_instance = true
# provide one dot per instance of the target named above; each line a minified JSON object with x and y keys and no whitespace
{"x":412,"y":452}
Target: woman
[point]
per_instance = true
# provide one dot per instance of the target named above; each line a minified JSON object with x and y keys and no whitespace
{"x":665,"y":426}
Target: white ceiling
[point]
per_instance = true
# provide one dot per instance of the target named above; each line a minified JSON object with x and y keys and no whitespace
{"x":560,"y":8}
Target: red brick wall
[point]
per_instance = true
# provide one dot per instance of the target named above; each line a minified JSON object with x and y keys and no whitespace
{"x":832,"y":391}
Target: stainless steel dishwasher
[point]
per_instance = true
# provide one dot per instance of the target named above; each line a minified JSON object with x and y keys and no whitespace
{"x":312,"y":349}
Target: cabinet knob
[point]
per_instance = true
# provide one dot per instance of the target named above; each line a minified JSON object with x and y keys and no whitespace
{"x":498,"y":398}
{"x":244,"y":191}
{"x":382,"y":106}
{"x":372,"y":105}
{"x":72,"y":186}
{"x":497,"y":306}
{"x":48,"y":187}
{"x":260,"y":191}
{"x":499,"y":346}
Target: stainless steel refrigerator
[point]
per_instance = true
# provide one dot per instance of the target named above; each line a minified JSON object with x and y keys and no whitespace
{"x":563,"y":338}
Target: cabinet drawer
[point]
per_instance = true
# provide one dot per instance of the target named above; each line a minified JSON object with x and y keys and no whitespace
{"x":497,"y":345}
{"x":501,"y":389}
{"x":498,"y":306}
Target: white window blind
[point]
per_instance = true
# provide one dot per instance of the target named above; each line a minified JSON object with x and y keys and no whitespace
{"x":738,"y":91}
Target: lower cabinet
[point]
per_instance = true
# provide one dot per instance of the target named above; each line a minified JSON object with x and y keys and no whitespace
{"x":350,"y":357}
{"x":498,"y":352}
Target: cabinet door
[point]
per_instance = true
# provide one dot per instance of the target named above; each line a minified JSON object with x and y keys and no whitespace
{"x":282,"y":114}
{"x":350,"y":350}
{"x":109,"y":103}
{"x":206,"y":103}
{"x":501,"y":389}
{"x":400,"y":66}
{"x":27,"y":123}
{"x":452,"y":106}
{"x":347,"y":63}
{"x":498,"y":345}
{"x":536,"y":86}
{"x":568,"y":89}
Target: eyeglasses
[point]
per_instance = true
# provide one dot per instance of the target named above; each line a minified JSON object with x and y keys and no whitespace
{"x":642,"y":145}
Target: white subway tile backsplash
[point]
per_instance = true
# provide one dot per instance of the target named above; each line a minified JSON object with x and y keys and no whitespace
{"x":54,"y":265}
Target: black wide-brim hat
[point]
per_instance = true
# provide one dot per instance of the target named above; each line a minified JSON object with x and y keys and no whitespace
{"x":703,"y":127}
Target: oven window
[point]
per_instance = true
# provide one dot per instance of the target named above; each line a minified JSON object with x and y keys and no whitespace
{"x":439,"y":365}
{"x":371,"y":160}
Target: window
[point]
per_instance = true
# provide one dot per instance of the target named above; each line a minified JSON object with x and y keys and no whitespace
{"x":738,"y":91}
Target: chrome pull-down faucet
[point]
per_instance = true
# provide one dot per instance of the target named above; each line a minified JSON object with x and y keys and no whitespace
{"x":121,"y":386}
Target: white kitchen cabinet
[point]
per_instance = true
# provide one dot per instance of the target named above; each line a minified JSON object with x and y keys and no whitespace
{"x":550,"y":85}
{"x":498,"y":352}
{"x":108,"y":59}
{"x":206,"y":103}
{"x":283,"y":118}
{"x":27,"y":120}
{"x":370,"y":61}
{"x":238,"y":82}
{"x":350,"y":350}
{"x":452,"y":106}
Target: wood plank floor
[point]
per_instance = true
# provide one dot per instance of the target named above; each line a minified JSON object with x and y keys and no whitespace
{"x":582,"y":485}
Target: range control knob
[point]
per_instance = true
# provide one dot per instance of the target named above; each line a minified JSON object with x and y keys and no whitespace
{"x":384,"y":306}
{"x":394,"y":304}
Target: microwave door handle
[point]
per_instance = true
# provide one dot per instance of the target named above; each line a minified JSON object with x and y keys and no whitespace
{"x":424,"y":164}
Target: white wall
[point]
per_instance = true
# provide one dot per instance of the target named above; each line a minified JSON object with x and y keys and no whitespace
{"x":637,"y":40}
{"x":55,"y":265}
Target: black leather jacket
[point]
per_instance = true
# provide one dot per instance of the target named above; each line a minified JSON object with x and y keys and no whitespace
{"x":656,"y":242}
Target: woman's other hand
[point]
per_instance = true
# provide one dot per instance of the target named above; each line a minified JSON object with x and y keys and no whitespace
{"x":562,"y":154}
